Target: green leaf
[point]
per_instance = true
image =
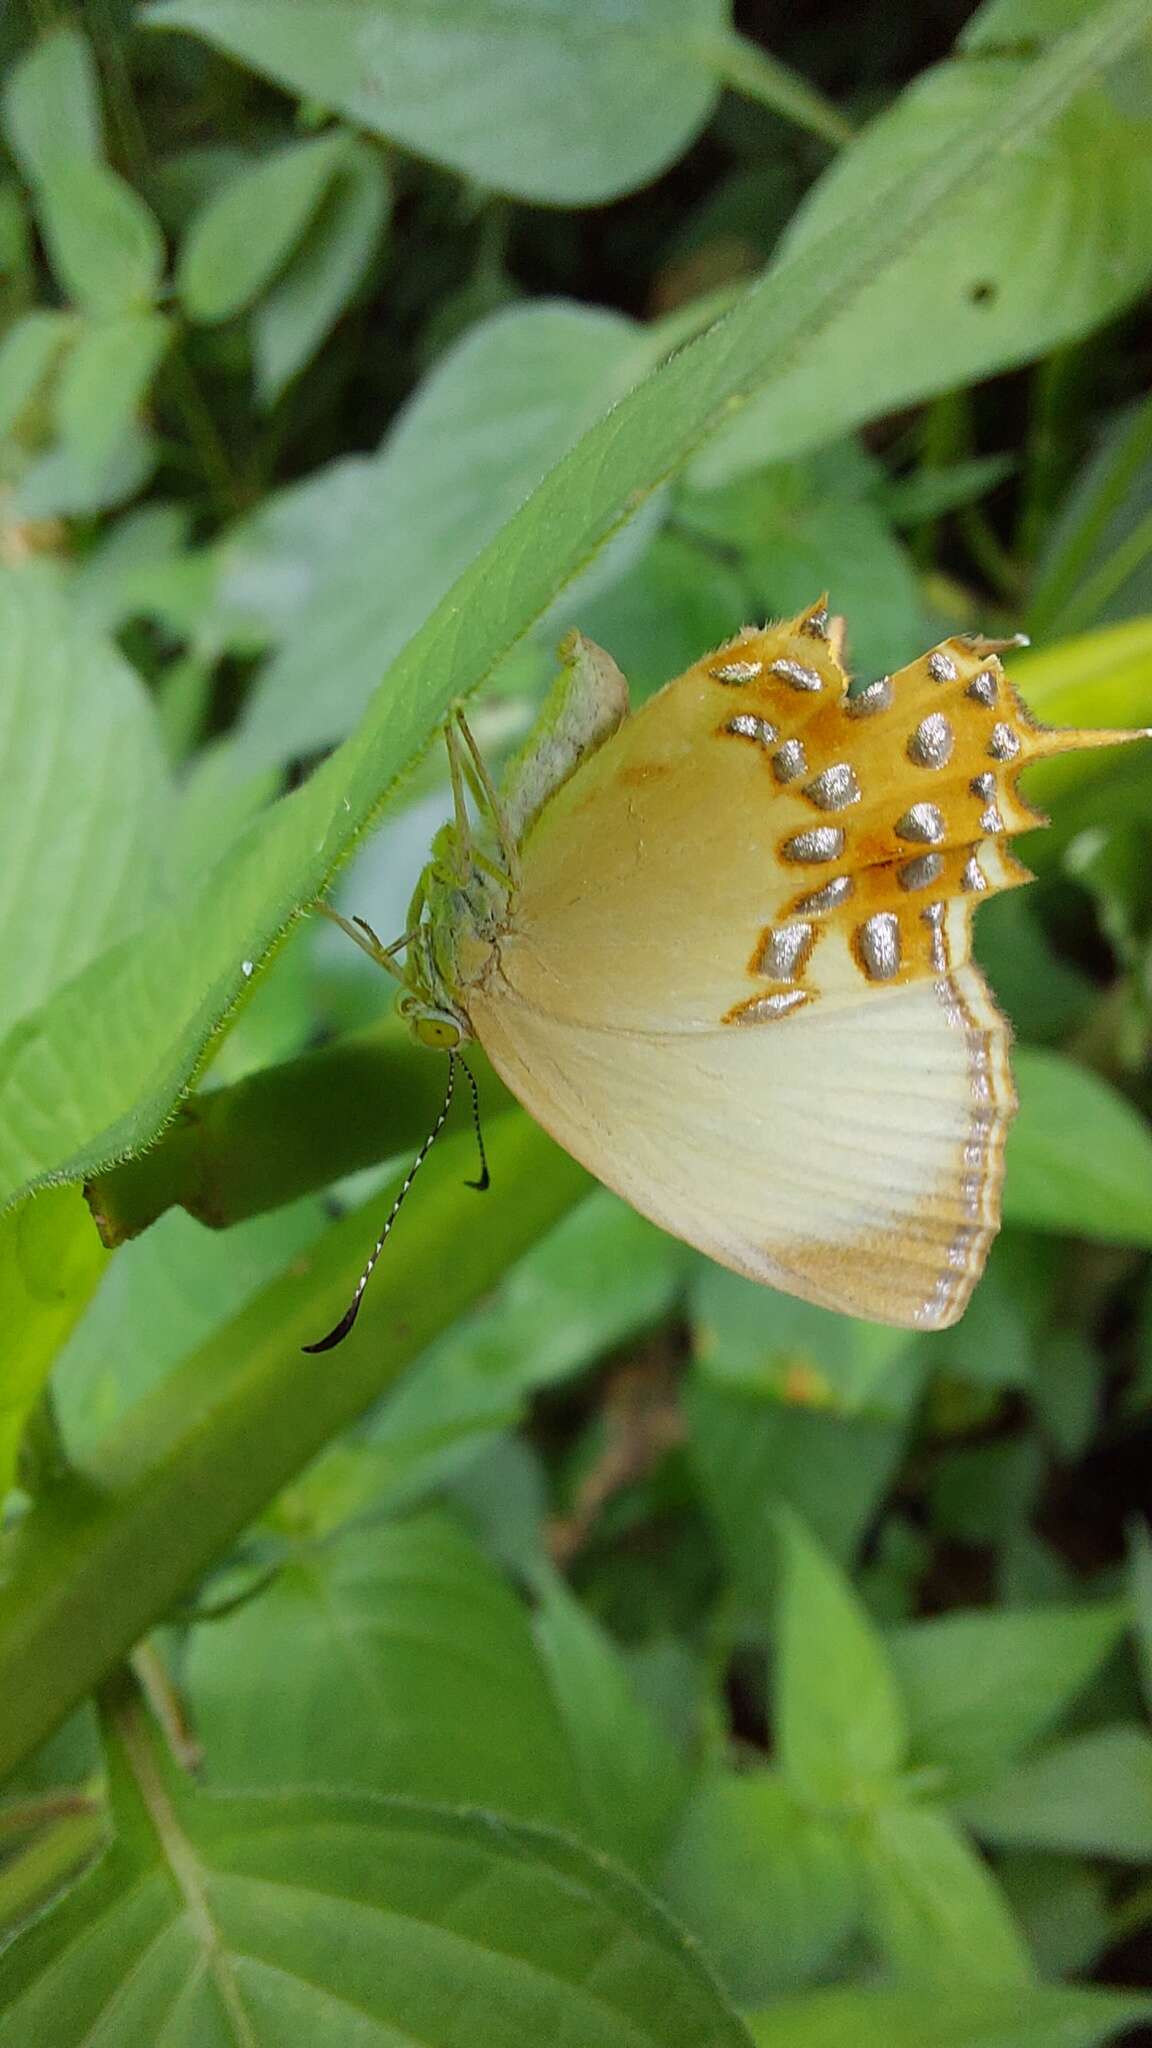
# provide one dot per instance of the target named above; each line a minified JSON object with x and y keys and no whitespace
{"x":247,"y":231}
{"x":50,"y":1263}
{"x":771,"y":1891}
{"x":104,"y":245}
{"x":565,"y":106}
{"x":839,"y":1719}
{"x":443,"y":1694}
{"x":161,"y":1296}
{"x":937,"y":1911}
{"x":313,"y":1917}
{"x":1045,"y":2016}
{"x":632,"y":1782}
{"x":1079,"y":1155}
{"x":480,"y":432}
{"x":80,"y":742}
{"x":299,"y":310}
{"x":961,"y":1714}
{"x":751,"y":1450}
{"x":1046,"y":249}
{"x":28,"y":353}
{"x":51,"y":101}
{"x":1090,"y":1796}
{"x":101,"y":387}
{"x":155,"y":1005}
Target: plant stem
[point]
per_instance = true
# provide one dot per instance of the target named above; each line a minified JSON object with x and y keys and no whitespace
{"x":104,"y":1557}
{"x":748,"y":69}
{"x":287,"y":1131}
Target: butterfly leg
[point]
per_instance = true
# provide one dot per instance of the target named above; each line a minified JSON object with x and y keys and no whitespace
{"x":363,"y":936}
{"x":486,"y":793}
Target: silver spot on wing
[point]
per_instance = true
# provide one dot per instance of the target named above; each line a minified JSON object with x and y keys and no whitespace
{"x":931,"y":744}
{"x":984,"y":785}
{"x":834,"y":788}
{"x":941,"y":667}
{"x":830,"y":897}
{"x":790,"y":761}
{"x":1004,"y":744}
{"x":824,"y":842}
{"x":736,"y":671}
{"x":983,"y":688}
{"x":785,"y":950}
{"x":922,"y":872}
{"x":924,"y":822}
{"x":878,"y":939}
{"x":798,"y":674}
{"x":766,"y":1008}
{"x":748,"y":725}
{"x":933,"y":916}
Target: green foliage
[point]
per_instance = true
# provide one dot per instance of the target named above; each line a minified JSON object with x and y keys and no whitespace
{"x":598,"y":1647}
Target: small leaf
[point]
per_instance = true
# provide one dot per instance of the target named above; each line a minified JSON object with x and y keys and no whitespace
{"x":245,"y":234}
{"x":938,"y":1912}
{"x":838,"y":1715}
{"x":297,"y":313}
{"x":1090,"y":1796}
{"x":1045,"y":2016}
{"x":951,"y":1672}
{"x":1079,"y":1155}
{"x":103,"y":243}
{"x":28,"y":353}
{"x":105,"y":376}
{"x":770,"y":1890}
{"x":51,"y":103}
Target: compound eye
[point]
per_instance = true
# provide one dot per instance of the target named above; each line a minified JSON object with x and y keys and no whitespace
{"x":438,"y":1032}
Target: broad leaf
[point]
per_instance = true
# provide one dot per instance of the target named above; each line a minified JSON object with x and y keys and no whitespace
{"x":1089,"y":1796}
{"x":313,"y":1917}
{"x":564,"y":105}
{"x":1043,"y":2016}
{"x":80,"y":742}
{"x":1079,"y":1156}
{"x":480,"y":432}
{"x":937,"y":1912}
{"x":951,"y":1673}
{"x":248,"y":229}
{"x":1041,"y":252}
{"x":632,"y":1782}
{"x":443,"y":1693}
{"x":296,"y":313}
{"x":839,"y":1719}
{"x":772,"y":1891}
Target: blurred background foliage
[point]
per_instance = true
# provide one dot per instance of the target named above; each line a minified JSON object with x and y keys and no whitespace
{"x":646,"y":1604}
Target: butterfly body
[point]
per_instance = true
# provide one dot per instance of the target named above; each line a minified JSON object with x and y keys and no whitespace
{"x":721,"y":949}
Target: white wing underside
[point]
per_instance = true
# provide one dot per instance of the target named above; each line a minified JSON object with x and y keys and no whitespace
{"x":852,"y":1156}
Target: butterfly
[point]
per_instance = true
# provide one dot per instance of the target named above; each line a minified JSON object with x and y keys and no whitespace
{"x":721,"y":949}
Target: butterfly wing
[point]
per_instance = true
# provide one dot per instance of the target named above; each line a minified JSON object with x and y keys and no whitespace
{"x":736,"y":981}
{"x":840,"y":1156}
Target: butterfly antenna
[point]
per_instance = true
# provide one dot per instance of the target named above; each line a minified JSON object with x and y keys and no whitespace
{"x":485,"y":1179}
{"x":337,"y":1335}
